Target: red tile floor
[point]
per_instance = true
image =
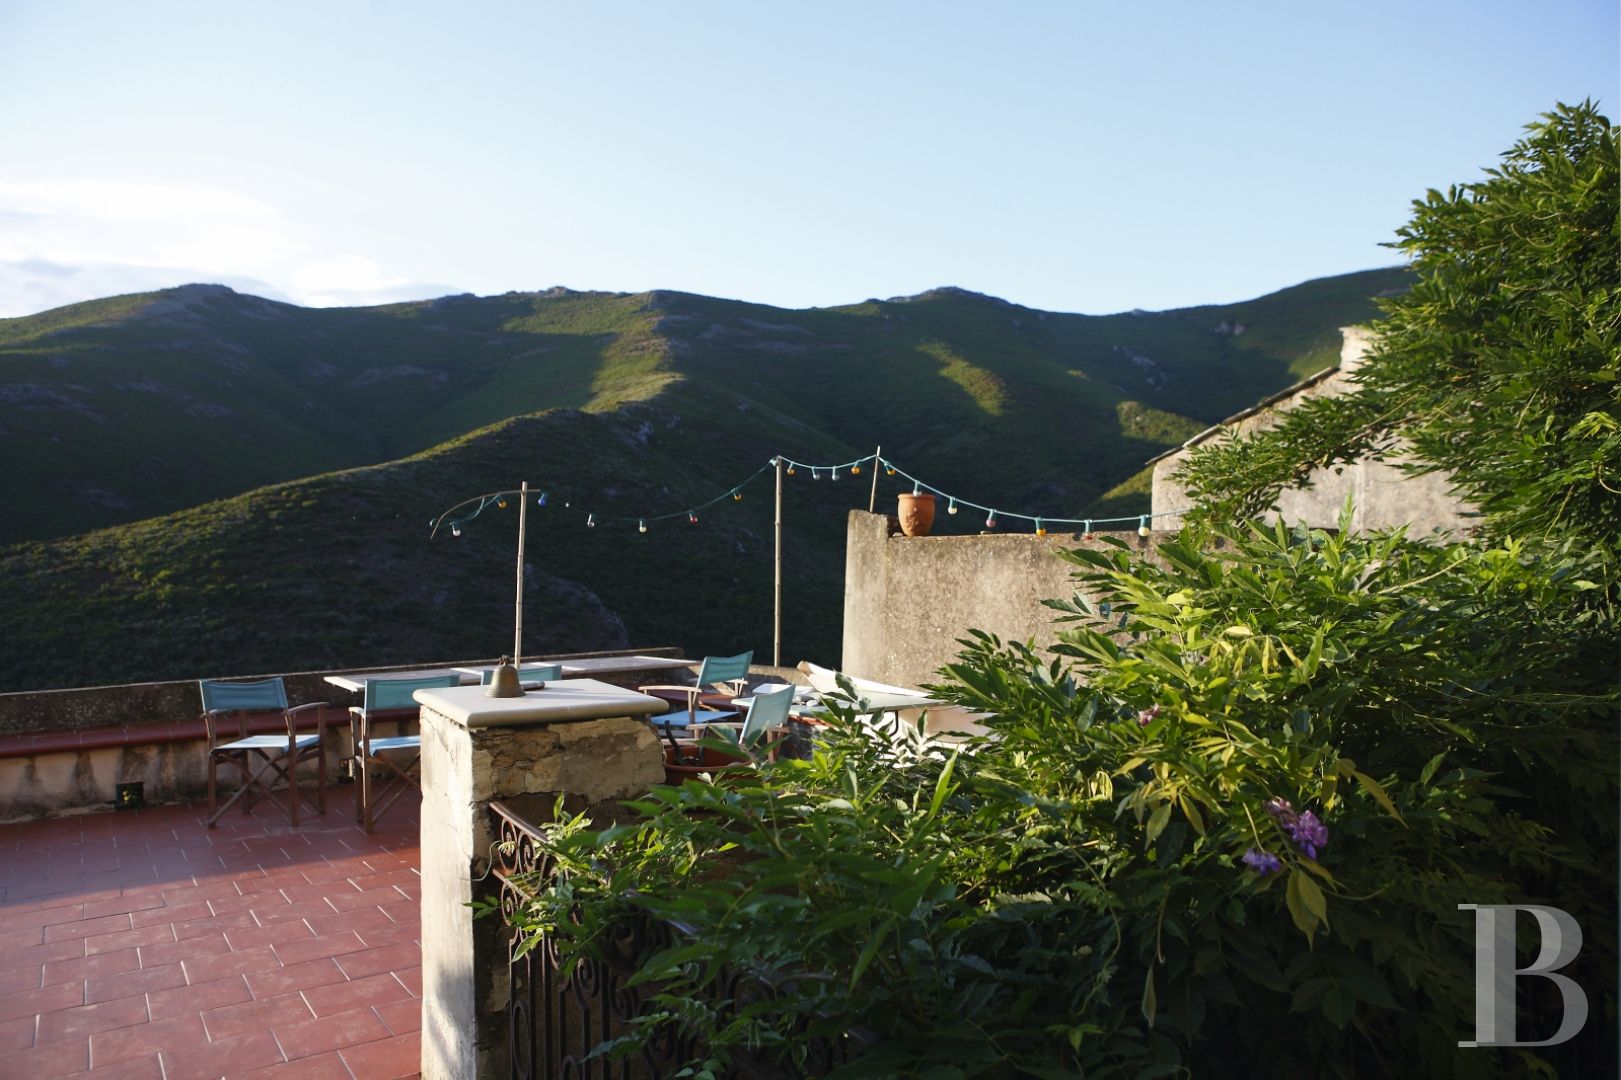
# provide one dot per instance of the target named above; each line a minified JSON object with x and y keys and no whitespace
{"x":138,"y":943}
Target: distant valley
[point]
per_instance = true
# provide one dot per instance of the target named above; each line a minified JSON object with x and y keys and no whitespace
{"x":200,"y":482}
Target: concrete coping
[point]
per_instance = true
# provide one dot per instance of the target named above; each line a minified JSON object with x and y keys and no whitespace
{"x":560,"y":701}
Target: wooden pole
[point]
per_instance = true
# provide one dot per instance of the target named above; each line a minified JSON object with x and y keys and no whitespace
{"x":776,"y":612}
{"x":517,"y":607}
{"x":872,"y":499}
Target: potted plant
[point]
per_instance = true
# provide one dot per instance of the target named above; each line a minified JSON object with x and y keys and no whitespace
{"x":917,"y":513}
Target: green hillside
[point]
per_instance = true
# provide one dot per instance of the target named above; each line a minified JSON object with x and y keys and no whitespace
{"x":267,"y":472}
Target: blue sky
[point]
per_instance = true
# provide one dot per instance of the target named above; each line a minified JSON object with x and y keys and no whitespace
{"x":1072,"y":156}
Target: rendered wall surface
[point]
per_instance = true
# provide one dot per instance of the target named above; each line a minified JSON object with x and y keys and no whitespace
{"x":465,"y":959}
{"x":908,"y":599}
{"x":1384,"y":496}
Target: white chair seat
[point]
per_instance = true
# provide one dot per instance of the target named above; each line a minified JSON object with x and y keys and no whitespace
{"x":681,"y":719}
{"x":268,"y":742}
{"x":397,"y":742}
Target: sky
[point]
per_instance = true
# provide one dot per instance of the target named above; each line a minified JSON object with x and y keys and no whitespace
{"x":1067,"y":155}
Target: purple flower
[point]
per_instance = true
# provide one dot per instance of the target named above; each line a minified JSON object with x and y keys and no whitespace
{"x":1146,"y":716}
{"x":1262,"y":862}
{"x":1309,"y":834}
{"x":1281,"y":811}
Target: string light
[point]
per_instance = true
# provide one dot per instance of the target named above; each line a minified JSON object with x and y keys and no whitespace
{"x":462,"y":512}
{"x":990,"y":520}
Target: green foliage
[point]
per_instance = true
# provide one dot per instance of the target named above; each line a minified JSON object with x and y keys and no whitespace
{"x":1500,"y":365}
{"x":1070,"y":897}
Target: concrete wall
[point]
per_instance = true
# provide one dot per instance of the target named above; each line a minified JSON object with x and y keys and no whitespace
{"x":1384,"y":496}
{"x":61,"y":781}
{"x":908,"y":599}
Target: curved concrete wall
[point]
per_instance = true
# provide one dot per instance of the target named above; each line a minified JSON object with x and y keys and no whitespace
{"x":908,"y":599}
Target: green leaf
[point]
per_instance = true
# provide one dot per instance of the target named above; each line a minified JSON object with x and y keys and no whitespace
{"x":1312,"y":896}
{"x":1158,"y":820}
{"x":1191,"y":809}
{"x":1374,"y":788}
{"x":1150,"y":1002}
{"x":1302,"y":915}
{"x":870,"y":950}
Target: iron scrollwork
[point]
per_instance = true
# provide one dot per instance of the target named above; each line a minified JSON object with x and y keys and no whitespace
{"x":557,"y":1017}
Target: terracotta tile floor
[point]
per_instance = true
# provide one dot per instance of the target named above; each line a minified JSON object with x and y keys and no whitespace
{"x":140,"y":944}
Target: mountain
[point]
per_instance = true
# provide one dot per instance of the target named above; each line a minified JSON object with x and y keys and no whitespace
{"x":203,"y":482}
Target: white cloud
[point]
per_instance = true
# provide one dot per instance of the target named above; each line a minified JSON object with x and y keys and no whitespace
{"x":63,"y":242}
{"x":114,"y":200}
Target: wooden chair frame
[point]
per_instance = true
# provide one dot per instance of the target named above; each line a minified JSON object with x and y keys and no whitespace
{"x":262,"y":760}
{"x":728,"y":672}
{"x":385,"y":699}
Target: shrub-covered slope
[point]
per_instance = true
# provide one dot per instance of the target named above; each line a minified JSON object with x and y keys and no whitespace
{"x":284,"y":463}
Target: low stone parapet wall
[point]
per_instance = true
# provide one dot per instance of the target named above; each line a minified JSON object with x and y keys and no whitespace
{"x":67,"y":751}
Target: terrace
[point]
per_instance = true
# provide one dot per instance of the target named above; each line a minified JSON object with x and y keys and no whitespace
{"x":142,"y":944}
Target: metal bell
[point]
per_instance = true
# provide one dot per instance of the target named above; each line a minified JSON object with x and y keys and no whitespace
{"x":504,"y":682}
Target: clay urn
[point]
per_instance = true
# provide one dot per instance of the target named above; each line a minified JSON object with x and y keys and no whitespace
{"x":917,"y":513}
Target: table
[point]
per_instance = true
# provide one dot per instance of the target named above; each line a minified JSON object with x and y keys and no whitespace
{"x":585,"y":666}
{"x":594,"y":665}
{"x":564,"y":699}
{"x":866,"y":703}
{"x":357,"y":682}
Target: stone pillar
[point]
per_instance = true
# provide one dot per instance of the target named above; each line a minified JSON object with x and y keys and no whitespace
{"x":578,"y":737}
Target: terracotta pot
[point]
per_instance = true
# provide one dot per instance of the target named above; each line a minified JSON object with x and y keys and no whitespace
{"x":714,"y":762}
{"x":917,"y":514}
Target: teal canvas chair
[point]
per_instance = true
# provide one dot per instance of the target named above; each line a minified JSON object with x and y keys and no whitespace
{"x":543,"y":673}
{"x":263,"y":762}
{"x":767,"y":715}
{"x":717,"y":675}
{"x":396,"y":758}
{"x":766,"y":720}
